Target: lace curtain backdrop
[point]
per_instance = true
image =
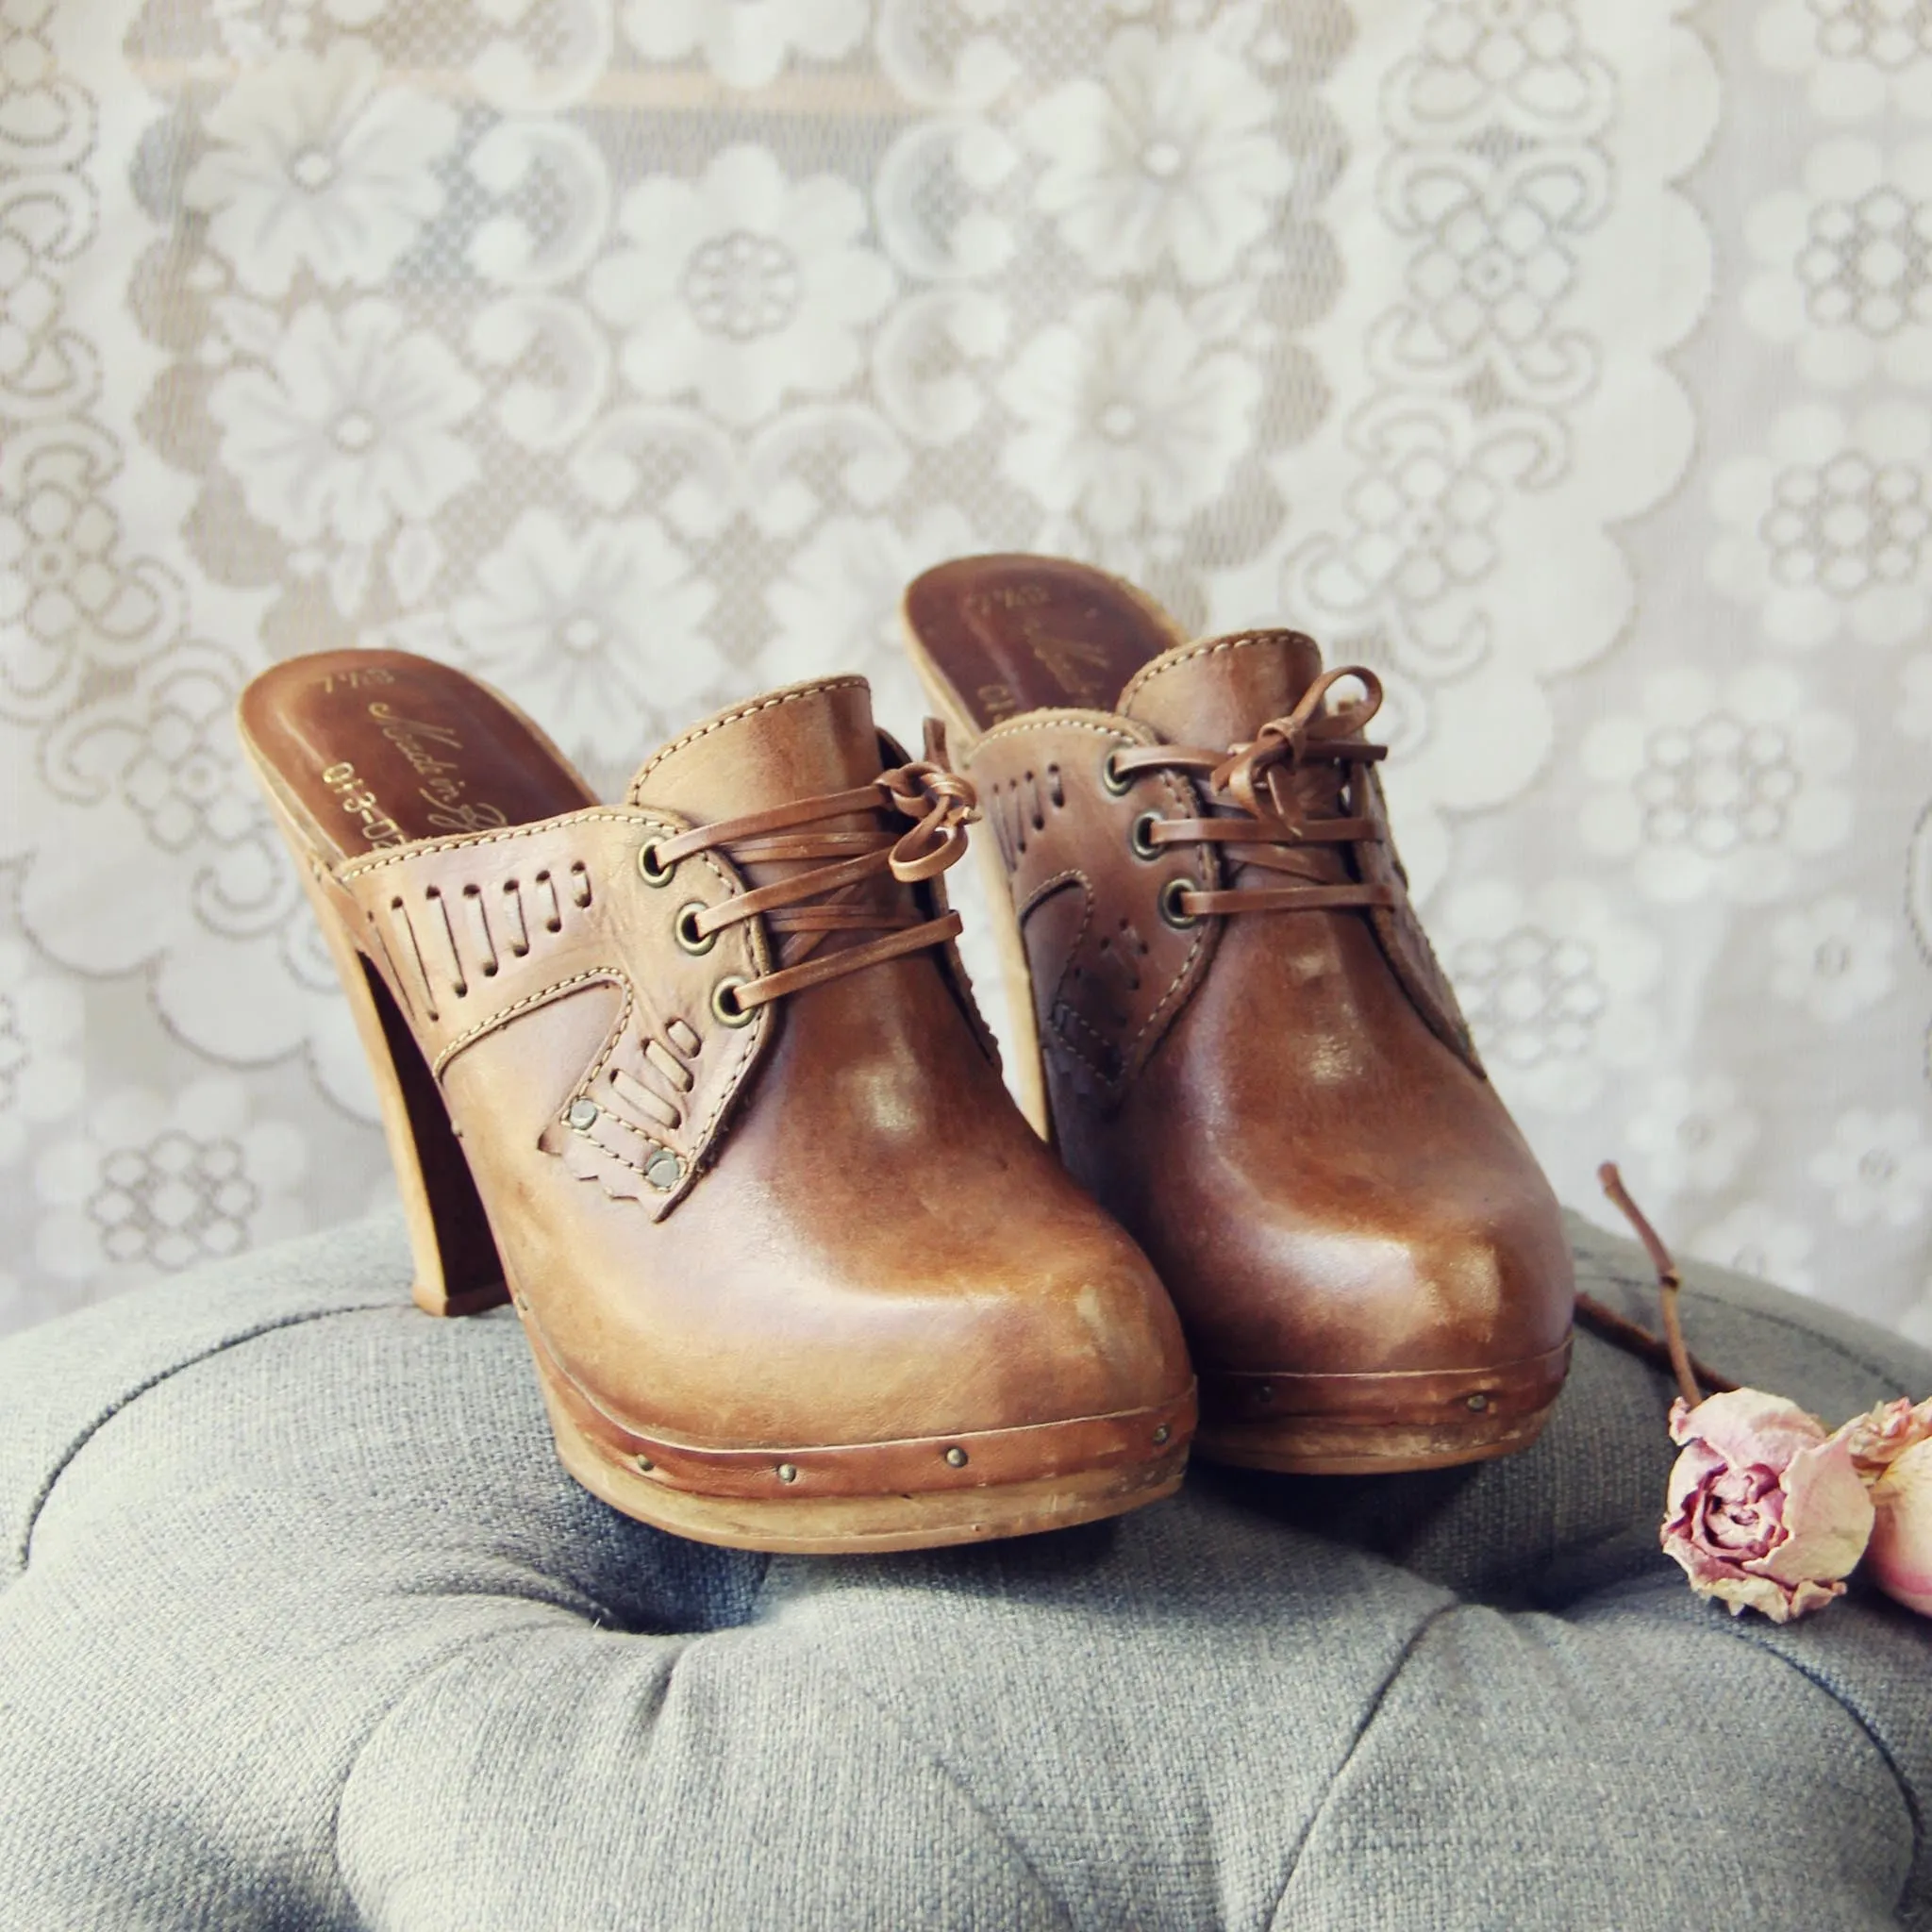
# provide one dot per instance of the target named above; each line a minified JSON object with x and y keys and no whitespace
{"x":1568,"y":361}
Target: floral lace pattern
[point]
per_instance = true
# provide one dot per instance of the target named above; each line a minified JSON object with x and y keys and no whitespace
{"x":1565,"y":364}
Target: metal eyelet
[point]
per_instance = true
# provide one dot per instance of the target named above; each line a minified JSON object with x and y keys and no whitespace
{"x":1145,"y":847}
{"x":649,"y":870}
{"x":725,"y":1006}
{"x":1115,"y":784}
{"x":1171,"y":905}
{"x":685,"y":928}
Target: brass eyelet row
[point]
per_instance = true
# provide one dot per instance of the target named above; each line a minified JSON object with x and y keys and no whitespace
{"x":725,"y":1006}
{"x":1116,"y":784}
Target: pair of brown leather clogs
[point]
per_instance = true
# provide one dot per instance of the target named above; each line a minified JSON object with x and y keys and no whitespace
{"x":697,"y":1081}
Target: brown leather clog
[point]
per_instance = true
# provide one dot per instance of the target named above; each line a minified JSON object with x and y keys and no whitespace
{"x":1237,"y":1032}
{"x":697,"y":1081}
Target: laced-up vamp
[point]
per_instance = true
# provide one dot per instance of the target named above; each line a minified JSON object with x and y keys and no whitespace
{"x":1300,"y":782}
{"x":803,"y":910}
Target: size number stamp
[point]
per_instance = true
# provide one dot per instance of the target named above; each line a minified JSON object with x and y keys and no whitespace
{"x":361,"y":805}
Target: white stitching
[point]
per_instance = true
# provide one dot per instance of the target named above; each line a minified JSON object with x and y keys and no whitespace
{"x":1208,"y":648}
{"x":463,"y":841}
{"x":607,"y":974}
{"x":718,"y":724}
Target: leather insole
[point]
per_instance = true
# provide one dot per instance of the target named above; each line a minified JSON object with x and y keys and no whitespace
{"x":373,"y":749}
{"x":1015,"y":633}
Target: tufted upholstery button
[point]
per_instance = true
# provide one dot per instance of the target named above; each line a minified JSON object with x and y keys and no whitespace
{"x":301,"y":1623}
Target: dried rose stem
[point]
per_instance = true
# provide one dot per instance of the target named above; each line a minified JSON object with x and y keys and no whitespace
{"x":1668,"y":1282}
{"x":1635,"y":1339}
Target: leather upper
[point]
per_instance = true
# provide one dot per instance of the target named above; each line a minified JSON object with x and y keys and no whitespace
{"x":1283,"y":1105}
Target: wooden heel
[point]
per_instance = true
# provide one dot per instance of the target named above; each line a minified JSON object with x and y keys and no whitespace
{"x":458,"y":1270}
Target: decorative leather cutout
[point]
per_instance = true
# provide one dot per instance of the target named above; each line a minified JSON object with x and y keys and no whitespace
{"x":473,"y":933}
{"x":635,"y":1123}
{"x":1088,"y":1013}
{"x":1017,"y":807}
{"x":1404,"y":942}
{"x":443,"y":945}
{"x":1109,"y":972}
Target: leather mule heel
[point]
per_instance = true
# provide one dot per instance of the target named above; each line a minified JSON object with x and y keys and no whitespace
{"x":1241,"y":1042}
{"x":696,"y":1082}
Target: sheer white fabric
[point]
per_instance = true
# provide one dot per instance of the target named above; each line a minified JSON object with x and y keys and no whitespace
{"x":1570,"y":364}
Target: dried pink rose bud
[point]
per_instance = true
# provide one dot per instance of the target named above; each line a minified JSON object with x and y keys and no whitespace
{"x":1900,"y":1558}
{"x":1881,"y":1435}
{"x":1891,"y":1448}
{"x":1765,"y":1509}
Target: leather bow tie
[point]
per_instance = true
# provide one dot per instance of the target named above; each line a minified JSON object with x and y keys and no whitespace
{"x":943,"y":802}
{"x":1309,"y":729}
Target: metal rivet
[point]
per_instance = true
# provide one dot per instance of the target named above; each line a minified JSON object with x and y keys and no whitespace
{"x":724,"y":1005}
{"x":664,"y":1170}
{"x":1161,"y":1434}
{"x":1115,"y":783}
{"x":1478,"y":1402}
{"x":651,"y":872}
{"x":689,"y":937}
{"x":956,"y":1456}
{"x":583,"y":1113}
{"x":1141,"y":837}
{"x":645,"y":1464}
{"x":788,"y":1471}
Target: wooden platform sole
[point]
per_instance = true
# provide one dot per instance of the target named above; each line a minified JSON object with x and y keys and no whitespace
{"x":1340,"y":1448}
{"x":834,"y":1525}
{"x":1372,"y":1424}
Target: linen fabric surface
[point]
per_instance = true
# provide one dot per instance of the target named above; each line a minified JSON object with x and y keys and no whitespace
{"x":1570,"y":364}
{"x":303,"y":1627}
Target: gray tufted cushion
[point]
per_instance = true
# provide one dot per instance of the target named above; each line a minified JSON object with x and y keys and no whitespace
{"x":302,"y":1627}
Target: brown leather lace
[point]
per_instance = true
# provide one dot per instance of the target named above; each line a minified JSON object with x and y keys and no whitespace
{"x":1259,"y":827}
{"x":801,"y":910}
